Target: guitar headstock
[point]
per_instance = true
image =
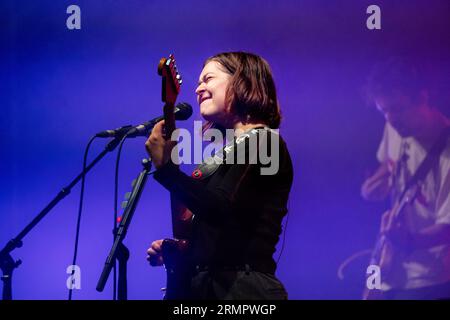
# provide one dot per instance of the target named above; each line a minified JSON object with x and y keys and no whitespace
{"x":172,"y":81}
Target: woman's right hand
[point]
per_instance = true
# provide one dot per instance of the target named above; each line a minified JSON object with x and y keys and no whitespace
{"x":155,"y":253}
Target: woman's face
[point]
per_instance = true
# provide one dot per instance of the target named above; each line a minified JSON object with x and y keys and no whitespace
{"x":211,"y":91}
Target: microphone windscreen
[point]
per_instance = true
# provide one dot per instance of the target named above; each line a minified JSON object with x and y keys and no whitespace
{"x":183,"y":111}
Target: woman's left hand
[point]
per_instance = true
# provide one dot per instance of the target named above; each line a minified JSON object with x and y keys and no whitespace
{"x":158,"y":147}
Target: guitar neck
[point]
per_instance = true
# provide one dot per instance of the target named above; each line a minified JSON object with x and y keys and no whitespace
{"x":169,"y":120}
{"x":181,"y":216}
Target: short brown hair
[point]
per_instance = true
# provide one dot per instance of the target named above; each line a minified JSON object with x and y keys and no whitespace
{"x":251,"y":92}
{"x":400,"y":73}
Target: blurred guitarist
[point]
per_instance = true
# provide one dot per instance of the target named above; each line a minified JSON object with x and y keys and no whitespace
{"x":418,"y":237}
{"x":236,"y":212}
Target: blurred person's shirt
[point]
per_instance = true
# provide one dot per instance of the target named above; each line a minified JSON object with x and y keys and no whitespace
{"x":420,"y":267}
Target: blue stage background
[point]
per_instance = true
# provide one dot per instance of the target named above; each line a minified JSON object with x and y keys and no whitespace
{"x":60,"y":86}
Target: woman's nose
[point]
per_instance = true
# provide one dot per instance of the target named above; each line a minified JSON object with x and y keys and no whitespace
{"x":200,"y":89}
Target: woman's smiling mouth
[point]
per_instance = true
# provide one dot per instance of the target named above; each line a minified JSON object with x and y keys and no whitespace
{"x":204,"y":98}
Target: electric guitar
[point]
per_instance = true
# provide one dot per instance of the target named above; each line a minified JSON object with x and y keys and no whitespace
{"x":174,"y":250}
{"x":384,"y":253}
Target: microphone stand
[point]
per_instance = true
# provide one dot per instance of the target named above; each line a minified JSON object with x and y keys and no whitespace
{"x":119,"y":251}
{"x":7,"y":263}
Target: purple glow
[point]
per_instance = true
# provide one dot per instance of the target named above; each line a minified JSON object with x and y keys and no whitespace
{"x":59,"y":87}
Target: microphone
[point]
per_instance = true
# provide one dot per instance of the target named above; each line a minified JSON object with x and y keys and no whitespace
{"x":182,"y":111}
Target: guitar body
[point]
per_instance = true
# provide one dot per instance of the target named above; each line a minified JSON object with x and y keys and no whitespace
{"x":385,"y":255}
{"x":176,"y":261}
{"x":382,"y":256}
{"x":386,"y":249}
{"x":175,"y":251}
{"x":175,"y":254}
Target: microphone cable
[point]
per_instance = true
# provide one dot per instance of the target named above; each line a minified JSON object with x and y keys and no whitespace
{"x":80,"y":209}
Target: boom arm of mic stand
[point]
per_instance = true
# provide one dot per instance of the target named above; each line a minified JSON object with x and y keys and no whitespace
{"x":7,"y":264}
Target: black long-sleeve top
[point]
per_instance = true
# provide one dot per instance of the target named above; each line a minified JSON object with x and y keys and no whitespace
{"x":238,"y":211}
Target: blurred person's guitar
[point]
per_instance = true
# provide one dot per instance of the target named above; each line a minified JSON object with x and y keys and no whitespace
{"x":384,"y":254}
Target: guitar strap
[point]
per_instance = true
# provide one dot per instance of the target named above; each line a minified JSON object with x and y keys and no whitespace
{"x":431,"y":160}
{"x":211,"y":164}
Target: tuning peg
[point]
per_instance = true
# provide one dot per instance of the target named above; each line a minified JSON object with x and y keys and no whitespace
{"x":127,"y":196}
{"x":124,"y":204}
{"x":133,"y":183}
